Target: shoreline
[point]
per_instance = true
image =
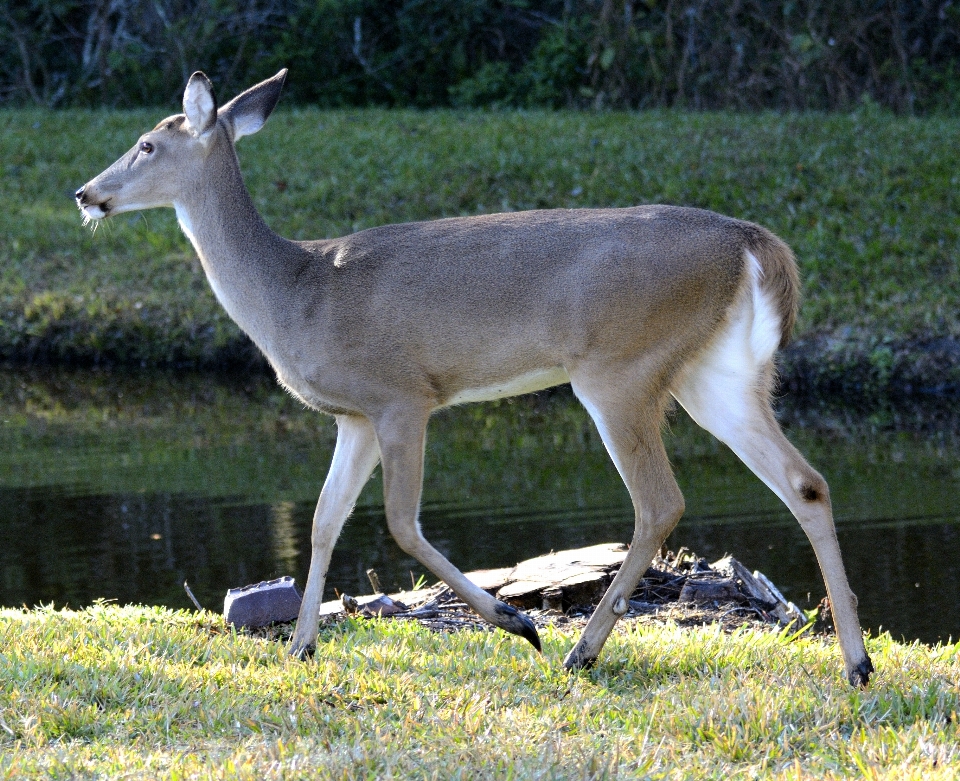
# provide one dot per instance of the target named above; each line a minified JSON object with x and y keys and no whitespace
{"x":843,"y":363}
{"x":871,"y":365}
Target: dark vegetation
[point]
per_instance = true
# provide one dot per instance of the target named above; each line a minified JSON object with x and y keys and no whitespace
{"x":703,"y":54}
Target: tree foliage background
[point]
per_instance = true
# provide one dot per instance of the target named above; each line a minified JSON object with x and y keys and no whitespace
{"x":741,"y":54}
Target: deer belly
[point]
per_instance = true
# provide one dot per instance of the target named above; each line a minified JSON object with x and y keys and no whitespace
{"x":514,"y":386}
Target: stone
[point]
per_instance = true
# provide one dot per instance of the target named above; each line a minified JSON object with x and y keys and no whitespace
{"x":264,"y":603}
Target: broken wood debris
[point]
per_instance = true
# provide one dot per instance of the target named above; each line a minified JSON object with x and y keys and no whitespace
{"x":380,"y":606}
{"x":568,"y":584}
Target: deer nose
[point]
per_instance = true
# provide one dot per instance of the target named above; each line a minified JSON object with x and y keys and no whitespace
{"x":79,"y":193}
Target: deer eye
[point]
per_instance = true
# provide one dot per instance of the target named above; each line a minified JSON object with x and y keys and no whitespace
{"x":146,"y":147}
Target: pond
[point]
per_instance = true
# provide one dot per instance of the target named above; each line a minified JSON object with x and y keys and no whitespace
{"x":121,"y":486}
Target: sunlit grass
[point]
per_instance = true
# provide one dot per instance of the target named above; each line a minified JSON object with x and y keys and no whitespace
{"x":144,"y":691}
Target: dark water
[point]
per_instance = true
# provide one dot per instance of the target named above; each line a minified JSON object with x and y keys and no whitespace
{"x":121,"y":487}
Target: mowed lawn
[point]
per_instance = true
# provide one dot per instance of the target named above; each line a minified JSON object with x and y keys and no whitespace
{"x":128,"y":692}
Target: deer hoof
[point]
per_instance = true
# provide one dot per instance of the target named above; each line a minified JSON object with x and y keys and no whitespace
{"x":300,"y":650}
{"x":860,"y":675}
{"x":512,"y":620}
{"x":579,"y":659}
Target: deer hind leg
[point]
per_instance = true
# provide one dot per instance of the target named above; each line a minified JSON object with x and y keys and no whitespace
{"x":733,"y":404}
{"x":629,"y":424}
{"x":401,"y":435}
{"x":354,"y":458}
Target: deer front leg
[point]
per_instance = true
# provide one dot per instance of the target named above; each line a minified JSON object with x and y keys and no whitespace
{"x":401,"y":435}
{"x":354,"y":458}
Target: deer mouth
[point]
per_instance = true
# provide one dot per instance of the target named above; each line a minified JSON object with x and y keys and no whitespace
{"x":89,"y":210}
{"x":95,"y":212}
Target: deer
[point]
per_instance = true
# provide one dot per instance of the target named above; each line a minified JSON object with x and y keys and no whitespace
{"x":633,"y":307}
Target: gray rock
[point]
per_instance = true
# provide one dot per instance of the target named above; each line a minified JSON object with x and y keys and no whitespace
{"x":268,"y":602}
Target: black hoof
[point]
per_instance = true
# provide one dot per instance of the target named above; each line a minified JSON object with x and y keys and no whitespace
{"x":512,"y":620}
{"x":575,"y":661}
{"x":301,"y":652}
{"x":860,"y":675}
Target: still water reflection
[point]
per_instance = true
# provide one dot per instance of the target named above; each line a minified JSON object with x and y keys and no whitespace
{"x":121,"y":487}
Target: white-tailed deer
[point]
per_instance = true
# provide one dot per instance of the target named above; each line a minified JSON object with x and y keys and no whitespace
{"x":383,"y":327}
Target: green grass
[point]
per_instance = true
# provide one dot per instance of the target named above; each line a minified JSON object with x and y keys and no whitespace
{"x":142,"y":693}
{"x":868,"y":201}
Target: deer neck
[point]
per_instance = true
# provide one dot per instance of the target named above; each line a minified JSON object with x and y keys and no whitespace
{"x":243,"y":259}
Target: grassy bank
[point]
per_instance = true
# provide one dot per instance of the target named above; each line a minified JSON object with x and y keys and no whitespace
{"x":142,"y":692}
{"x":867,"y":200}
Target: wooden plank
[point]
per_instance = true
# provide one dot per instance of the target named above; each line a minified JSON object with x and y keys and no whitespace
{"x":571,"y":577}
{"x":562,"y":564}
{"x":491,"y":580}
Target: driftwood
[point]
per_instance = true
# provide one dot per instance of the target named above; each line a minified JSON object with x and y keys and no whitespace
{"x":567,"y":585}
{"x":562,"y":580}
{"x":711,"y":590}
{"x":758,"y":587}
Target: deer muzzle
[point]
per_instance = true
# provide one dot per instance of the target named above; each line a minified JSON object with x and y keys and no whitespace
{"x":88,"y":204}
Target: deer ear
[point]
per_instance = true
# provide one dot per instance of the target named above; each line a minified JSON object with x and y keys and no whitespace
{"x":200,"y":104}
{"x":248,"y":112}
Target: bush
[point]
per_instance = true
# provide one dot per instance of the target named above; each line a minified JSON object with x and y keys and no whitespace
{"x":782,"y":54}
